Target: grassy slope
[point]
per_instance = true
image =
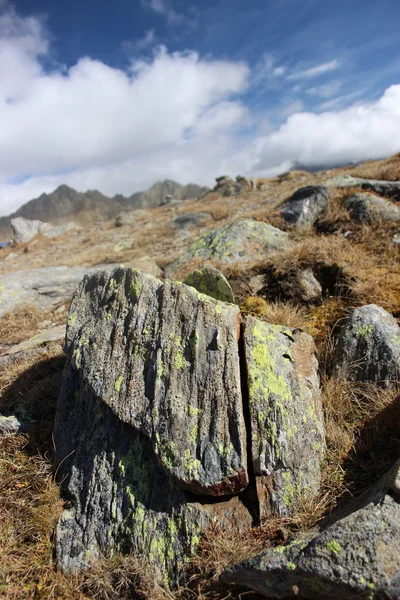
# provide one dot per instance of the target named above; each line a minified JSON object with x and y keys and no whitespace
{"x":360,"y":419}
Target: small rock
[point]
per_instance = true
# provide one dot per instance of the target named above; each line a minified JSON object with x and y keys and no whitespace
{"x":148,"y":265}
{"x":390,"y":189}
{"x":369,"y":347}
{"x":396,"y":238}
{"x":211,"y":282}
{"x":61,"y":229}
{"x":10,"y":426}
{"x":367,"y":208}
{"x":190,"y":220}
{"x":306,"y":204}
{"x":11,"y":256}
{"x":24,"y":229}
{"x":292,"y":284}
{"x":51,"y":335}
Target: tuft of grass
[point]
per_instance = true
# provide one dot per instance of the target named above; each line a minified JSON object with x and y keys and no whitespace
{"x":19,"y":325}
{"x":279,"y":313}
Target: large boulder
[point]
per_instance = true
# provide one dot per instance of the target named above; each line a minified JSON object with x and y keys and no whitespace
{"x":45,"y":287}
{"x":369,"y":347}
{"x":208,"y":280}
{"x":25,"y":230}
{"x":287,"y":430}
{"x":306,"y":204}
{"x":153,"y":424}
{"x":390,"y":189}
{"x":244,"y":239}
{"x":187,"y":220}
{"x":354,"y":555}
{"x":367,"y":208}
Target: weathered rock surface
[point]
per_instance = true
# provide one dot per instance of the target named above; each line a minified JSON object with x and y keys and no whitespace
{"x":54,"y":334}
{"x":150,"y":406}
{"x":287,"y":431}
{"x":369,"y":347}
{"x":61,"y":229}
{"x":10,"y":426}
{"x":354,"y":555}
{"x":24,"y":230}
{"x":187,"y":220}
{"x":244,"y":239}
{"x":211,"y":282}
{"x":367,"y":208}
{"x":390,"y":189}
{"x":305,"y":205}
{"x":44,"y":287}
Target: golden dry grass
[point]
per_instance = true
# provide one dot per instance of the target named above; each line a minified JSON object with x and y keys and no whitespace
{"x":19,"y":325}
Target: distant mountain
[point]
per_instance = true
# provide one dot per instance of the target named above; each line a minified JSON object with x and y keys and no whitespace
{"x":66,"y":204}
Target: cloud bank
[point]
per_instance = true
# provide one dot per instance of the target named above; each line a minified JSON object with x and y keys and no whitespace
{"x":174,"y":115}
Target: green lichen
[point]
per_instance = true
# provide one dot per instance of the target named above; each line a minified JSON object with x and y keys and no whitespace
{"x":118,"y":383}
{"x":72,"y":317}
{"x":193,"y":411}
{"x":180,"y":361}
{"x":334,"y":547}
{"x":291,"y":566}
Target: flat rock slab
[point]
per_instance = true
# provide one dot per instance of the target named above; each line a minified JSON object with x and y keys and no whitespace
{"x":354,"y":555}
{"x":44,"y":287}
{"x":369,"y":347}
{"x":211,"y":282}
{"x":390,"y":189}
{"x":287,"y":430}
{"x":244,"y":239}
{"x":187,"y":220}
{"x":367,"y":208}
{"x":305,"y":205}
{"x":50,"y":335}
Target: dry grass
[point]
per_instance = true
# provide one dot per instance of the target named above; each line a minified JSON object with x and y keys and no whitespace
{"x":19,"y":325}
{"x":279,"y":313}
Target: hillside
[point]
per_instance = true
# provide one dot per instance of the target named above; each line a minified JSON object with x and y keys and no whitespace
{"x":66,"y":204}
{"x":233,"y":436}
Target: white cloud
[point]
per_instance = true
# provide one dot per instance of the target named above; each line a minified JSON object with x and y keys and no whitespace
{"x":314,"y":71}
{"x":279,"y":71}
{"x":326,"y":90}
{"x":368,"y":130}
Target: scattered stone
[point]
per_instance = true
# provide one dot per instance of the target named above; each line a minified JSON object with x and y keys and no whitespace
{"x":148,"y":265}
{"x":61,"y":229}
{"x":369,"y":347}
{"x":390,"y":189}
{"x":25,"y":230}
{"x":11,"y":256}
{"x":150,"y":407}
{"x":194,"y":219}
{"x":211,"y":282}
{"x":287,"y":430}
{"x":396,"y":238}
{"x":10,"y":426}
{"x":306,"y":204}
{"x":354,"y":555}
{"x":45,"y":287}
{"x":51,"y":335}
{"x":244,"y":239}
{"x":367,"y":208}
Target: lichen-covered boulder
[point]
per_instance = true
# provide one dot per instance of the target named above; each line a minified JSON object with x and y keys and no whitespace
{"x":367,"y":208}
{"x":211,"y":282}
{"x":305,"y":205}
{"x":286,"y":420}
{"x":354,"y":555}
{"x":369,"y":347}
{"x":244,"y":239}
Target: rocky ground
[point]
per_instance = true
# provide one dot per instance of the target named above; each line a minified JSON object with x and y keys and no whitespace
{"x":227,"y":438}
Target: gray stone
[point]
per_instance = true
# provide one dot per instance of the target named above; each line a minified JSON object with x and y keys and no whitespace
{"x":211,"y":282}
{"x":287,"y":430}
{"x":10,"y":426}
{"x":396,"y":238}
{"x":290,"y":284}
{"x":45,"y":287}
{"x":367,"y":208}
{"x":391,"y":189}
{"x":369,"y":347}
{"x":150,"y":406}
{"x":194,"y":219}
{"x":354,"y":555}
{"x":61,"y":229}
{"x":54,"y":334}
{"x":306,"y":204}
{"x":24,"y":230}
{"x":244,"y":239}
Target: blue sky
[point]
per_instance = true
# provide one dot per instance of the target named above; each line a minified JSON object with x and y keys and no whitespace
{"x":117,"y":95}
